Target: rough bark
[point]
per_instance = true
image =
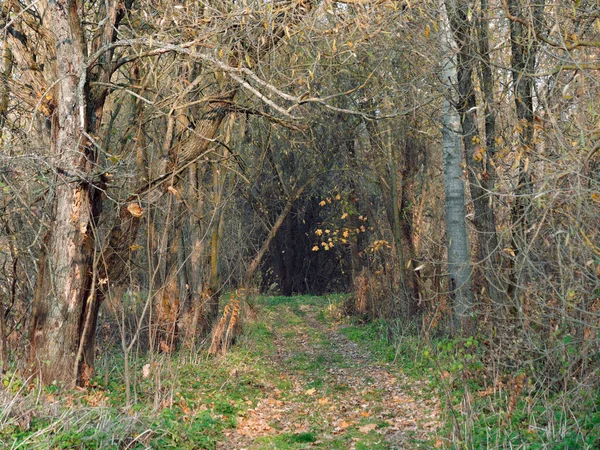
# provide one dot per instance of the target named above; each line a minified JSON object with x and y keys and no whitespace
{"x":64,"y":281}
{"x":63,"y":307}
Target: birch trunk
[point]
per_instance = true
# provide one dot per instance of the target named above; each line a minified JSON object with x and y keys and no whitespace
{"x":459,"y":261}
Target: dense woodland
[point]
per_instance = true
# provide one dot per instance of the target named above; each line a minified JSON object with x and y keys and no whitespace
{"x":166,"y":164}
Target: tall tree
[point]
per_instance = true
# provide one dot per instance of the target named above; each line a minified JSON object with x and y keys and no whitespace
{"x":460,"y":15}
{"x":459,"y":257}
{"x":524,"y":18}
{"x":64,"y":292}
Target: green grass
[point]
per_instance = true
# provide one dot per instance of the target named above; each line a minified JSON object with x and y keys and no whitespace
{"x":190,"y":401}
{"x":456,"y":370}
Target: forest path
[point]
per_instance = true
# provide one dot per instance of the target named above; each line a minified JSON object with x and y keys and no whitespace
{"x":329,"y":392}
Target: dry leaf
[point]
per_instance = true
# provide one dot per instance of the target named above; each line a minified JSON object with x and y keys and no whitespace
{"x":146,"y":371}
{"x":344,"y":424}
{"x":367,"y":428}
{"x":311,"y":391}
{"x":135,"y":210}
{"x":164,"y":347}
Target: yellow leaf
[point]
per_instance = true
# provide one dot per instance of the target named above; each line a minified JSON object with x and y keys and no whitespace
{"x":510,"y":251}
{"x":427,"y":31}
{"x":478,"y":153}
{"x":135,"y":247}
{"x":310,"y":391}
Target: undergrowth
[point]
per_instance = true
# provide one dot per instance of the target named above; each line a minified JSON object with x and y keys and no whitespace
{"x":486,"y":407}
{"x":189,"y":401}
{"x":180,"y":401}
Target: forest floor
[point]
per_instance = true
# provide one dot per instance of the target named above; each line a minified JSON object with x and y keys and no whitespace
{"x":331,"y":392}
{"x":300,"y":376}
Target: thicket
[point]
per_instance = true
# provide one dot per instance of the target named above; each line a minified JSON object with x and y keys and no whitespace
{"x":162,"y":163}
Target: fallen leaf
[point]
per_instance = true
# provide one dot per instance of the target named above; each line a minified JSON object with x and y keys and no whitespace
{"x":344,"y":424}
{"x":311,"y":391}
{"x":367,"y":428}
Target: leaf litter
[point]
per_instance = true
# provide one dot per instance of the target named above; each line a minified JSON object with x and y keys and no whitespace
{"x":334,"y":390}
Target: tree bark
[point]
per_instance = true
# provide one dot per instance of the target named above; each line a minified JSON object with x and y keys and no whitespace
{"x":459,"y":263}
{"x":491,"y":248}
{"x":523,"y":61}
{"x":64,"y":282}
{"x":477,"y":160}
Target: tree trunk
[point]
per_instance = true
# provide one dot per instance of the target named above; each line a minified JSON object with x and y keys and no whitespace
{"x":197,"y":290}
{"x":479,"y":187}
{"x":488,"y":177}
{"x":64,"y":280}
{"x":3,"y":343}
{"x":459,"y":263}
{"x":523,"y":61}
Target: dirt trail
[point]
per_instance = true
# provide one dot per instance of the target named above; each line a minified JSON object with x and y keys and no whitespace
{"x":331,"y":394}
